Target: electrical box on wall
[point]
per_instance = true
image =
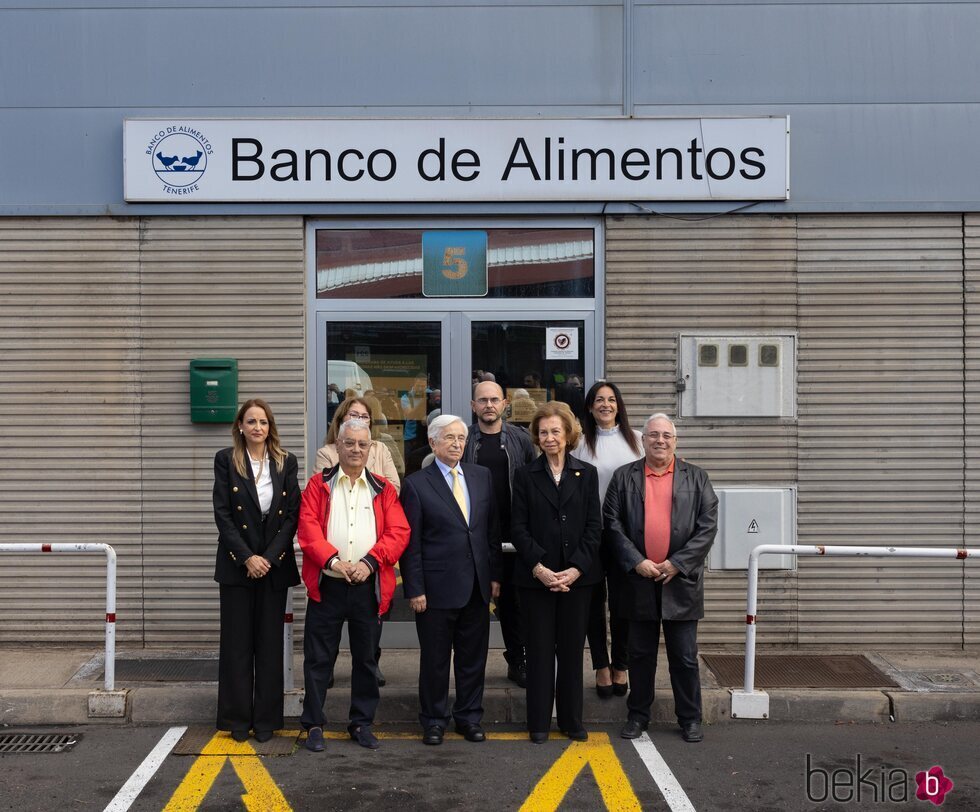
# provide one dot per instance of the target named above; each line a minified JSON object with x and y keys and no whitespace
{"x":732,"y":375}
{"x":748,"y":517}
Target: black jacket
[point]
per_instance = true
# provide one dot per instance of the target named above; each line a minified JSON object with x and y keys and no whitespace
{"x":693,"y":525}
{"x":241,"y":533}
{"x":514,"y":440}
{"x":559,"y":527}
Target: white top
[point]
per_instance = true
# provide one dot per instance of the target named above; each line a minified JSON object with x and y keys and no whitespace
{"x":611,"y":452}
{"x":351,"y":527}
{"x":263,"y":482}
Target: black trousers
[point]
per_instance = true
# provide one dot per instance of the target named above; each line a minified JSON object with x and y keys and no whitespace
{"x":508,"y":612}
{"x":681,"y":642}
{"x":339,"y":602}
{"x":556,"y":623}
{"x":250,"y":656}
{"x":462,"y":635}
{"x":618,"y":628}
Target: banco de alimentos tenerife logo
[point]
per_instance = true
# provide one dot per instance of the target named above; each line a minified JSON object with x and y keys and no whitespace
{"x":179,"y":157}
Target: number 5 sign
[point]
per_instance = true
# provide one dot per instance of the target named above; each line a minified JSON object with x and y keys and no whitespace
{"x":454,"y":263}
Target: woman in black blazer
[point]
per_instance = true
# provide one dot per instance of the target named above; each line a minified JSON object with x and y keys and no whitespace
{"x":555,"y":526}
{"x":256,"y":509}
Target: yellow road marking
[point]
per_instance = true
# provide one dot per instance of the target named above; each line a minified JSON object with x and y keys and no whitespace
{"x":598,"y":753}
{"x":262,"y":794}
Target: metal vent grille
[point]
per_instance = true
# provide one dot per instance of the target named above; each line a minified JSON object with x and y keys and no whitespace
{"x":38,"y":742}
{"x":171,"y":670}
{"x":800,"y":671}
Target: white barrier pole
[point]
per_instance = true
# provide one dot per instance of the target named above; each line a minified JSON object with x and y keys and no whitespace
{"x":287,"y":643}
{"x":110,"y":592}
{"x":748,"y":703}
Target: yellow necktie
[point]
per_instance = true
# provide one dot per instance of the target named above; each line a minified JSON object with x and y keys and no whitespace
{"x":458,"y":494}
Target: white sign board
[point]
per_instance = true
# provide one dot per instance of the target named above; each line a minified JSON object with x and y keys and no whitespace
{"x":438,"y":160}
{"x":562,"y":343}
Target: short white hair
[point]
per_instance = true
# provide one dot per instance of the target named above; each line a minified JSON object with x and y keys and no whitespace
{"x":442,"y":422}
{"x":352,"y":425}
{"x":660,"y":416}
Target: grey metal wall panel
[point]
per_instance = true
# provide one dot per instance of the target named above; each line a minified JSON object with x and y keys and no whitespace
{"x":180,"y":57}
{"x":664,"y":276}
{"x":881,"y":426}
{"x":971,"y":382}
{"x":211,"y":287}
{"x":806,"y":53}
{"x":69,"y":402}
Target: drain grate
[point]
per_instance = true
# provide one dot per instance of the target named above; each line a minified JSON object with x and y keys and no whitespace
{"x":800,"y":671}
{"x":170,"y":670}
{"x":38,"y":742}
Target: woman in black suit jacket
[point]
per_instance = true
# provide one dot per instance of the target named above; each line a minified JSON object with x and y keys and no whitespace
{"x":556,"y":526}
{"x":256,"y":509}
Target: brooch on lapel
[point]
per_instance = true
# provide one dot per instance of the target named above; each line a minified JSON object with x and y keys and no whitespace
{"x":578,"y":473}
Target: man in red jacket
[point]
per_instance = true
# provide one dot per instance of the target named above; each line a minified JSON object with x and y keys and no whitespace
{"x":352,"y":530}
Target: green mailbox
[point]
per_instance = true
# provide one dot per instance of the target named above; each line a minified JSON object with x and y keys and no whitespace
{"x":214,"y":390}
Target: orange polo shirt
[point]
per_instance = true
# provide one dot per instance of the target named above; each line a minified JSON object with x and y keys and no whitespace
{"x":656,"y":512}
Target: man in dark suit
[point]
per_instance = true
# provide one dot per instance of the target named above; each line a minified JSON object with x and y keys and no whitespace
{"x":661,"y":517}
{"x":450,"y":571}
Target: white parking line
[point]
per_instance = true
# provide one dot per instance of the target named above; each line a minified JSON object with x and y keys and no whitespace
{"x":130,"y":791}
{"x":672,"y":791}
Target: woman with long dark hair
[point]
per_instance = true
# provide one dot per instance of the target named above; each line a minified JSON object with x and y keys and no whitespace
{"x":608,"y":442}
{"x":256,"y":510}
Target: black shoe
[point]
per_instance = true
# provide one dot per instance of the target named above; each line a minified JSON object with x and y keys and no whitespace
{"x":691,"y":732}
{"x":471,"y":732}
{"x":363,"y":736}
{"x":433,"y":734}
{"x":620,"y":688}
{"x":632,"y":729}
{"x":604,"y":691}
{"x":240,"y":735}
{"x":538,"y":738}
{"x":263,"y":735}
{"x":314,"y":740}
{"x":518,"y":673}
{"x":380,"y":678}
{"x":577,"y":735}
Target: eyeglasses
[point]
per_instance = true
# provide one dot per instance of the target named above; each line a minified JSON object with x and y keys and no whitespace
{"x":656,"y":435}
{"x":358,"y":416}
{"x":364,"y":445}
{"x":490,"y":401}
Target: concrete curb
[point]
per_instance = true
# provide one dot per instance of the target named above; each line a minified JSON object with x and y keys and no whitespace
{"x":935,"y":707}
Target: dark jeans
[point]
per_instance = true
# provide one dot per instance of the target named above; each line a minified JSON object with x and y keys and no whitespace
{"x":508,"y":612}
{"x":339,"y":602}
{"x":618,"y":629}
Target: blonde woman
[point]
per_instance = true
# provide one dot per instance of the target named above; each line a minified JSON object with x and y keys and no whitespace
{"x":256,"y":510}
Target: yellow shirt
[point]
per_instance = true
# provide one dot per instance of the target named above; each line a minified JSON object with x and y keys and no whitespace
{"x":351,"y":527}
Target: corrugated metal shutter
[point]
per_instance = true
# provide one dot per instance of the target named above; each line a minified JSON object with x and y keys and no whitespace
{"x":69,"y":401}
{"x":735,"y":273}
{"x":881,"y":425}
{"x":971,"y":253}
{"x":211,"y":287}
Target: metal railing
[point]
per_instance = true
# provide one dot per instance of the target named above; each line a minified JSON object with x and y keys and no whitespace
{"x":110,"y":592}
{"x":749,"y":703}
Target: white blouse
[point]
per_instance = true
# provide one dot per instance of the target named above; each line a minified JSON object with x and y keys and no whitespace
{"x":263,"y":482}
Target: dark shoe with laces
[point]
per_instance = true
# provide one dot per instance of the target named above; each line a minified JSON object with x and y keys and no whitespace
{"x":632,"y":729}
{"x":314,"y":739}
{"x":471,"y":732}
{"x":518,"y":674}
{"x":363,"y":736}
{"x":433,"y":734}
{"x":691,"y":732}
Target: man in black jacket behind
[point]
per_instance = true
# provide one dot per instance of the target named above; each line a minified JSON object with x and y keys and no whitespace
{"x":503,"y":448}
